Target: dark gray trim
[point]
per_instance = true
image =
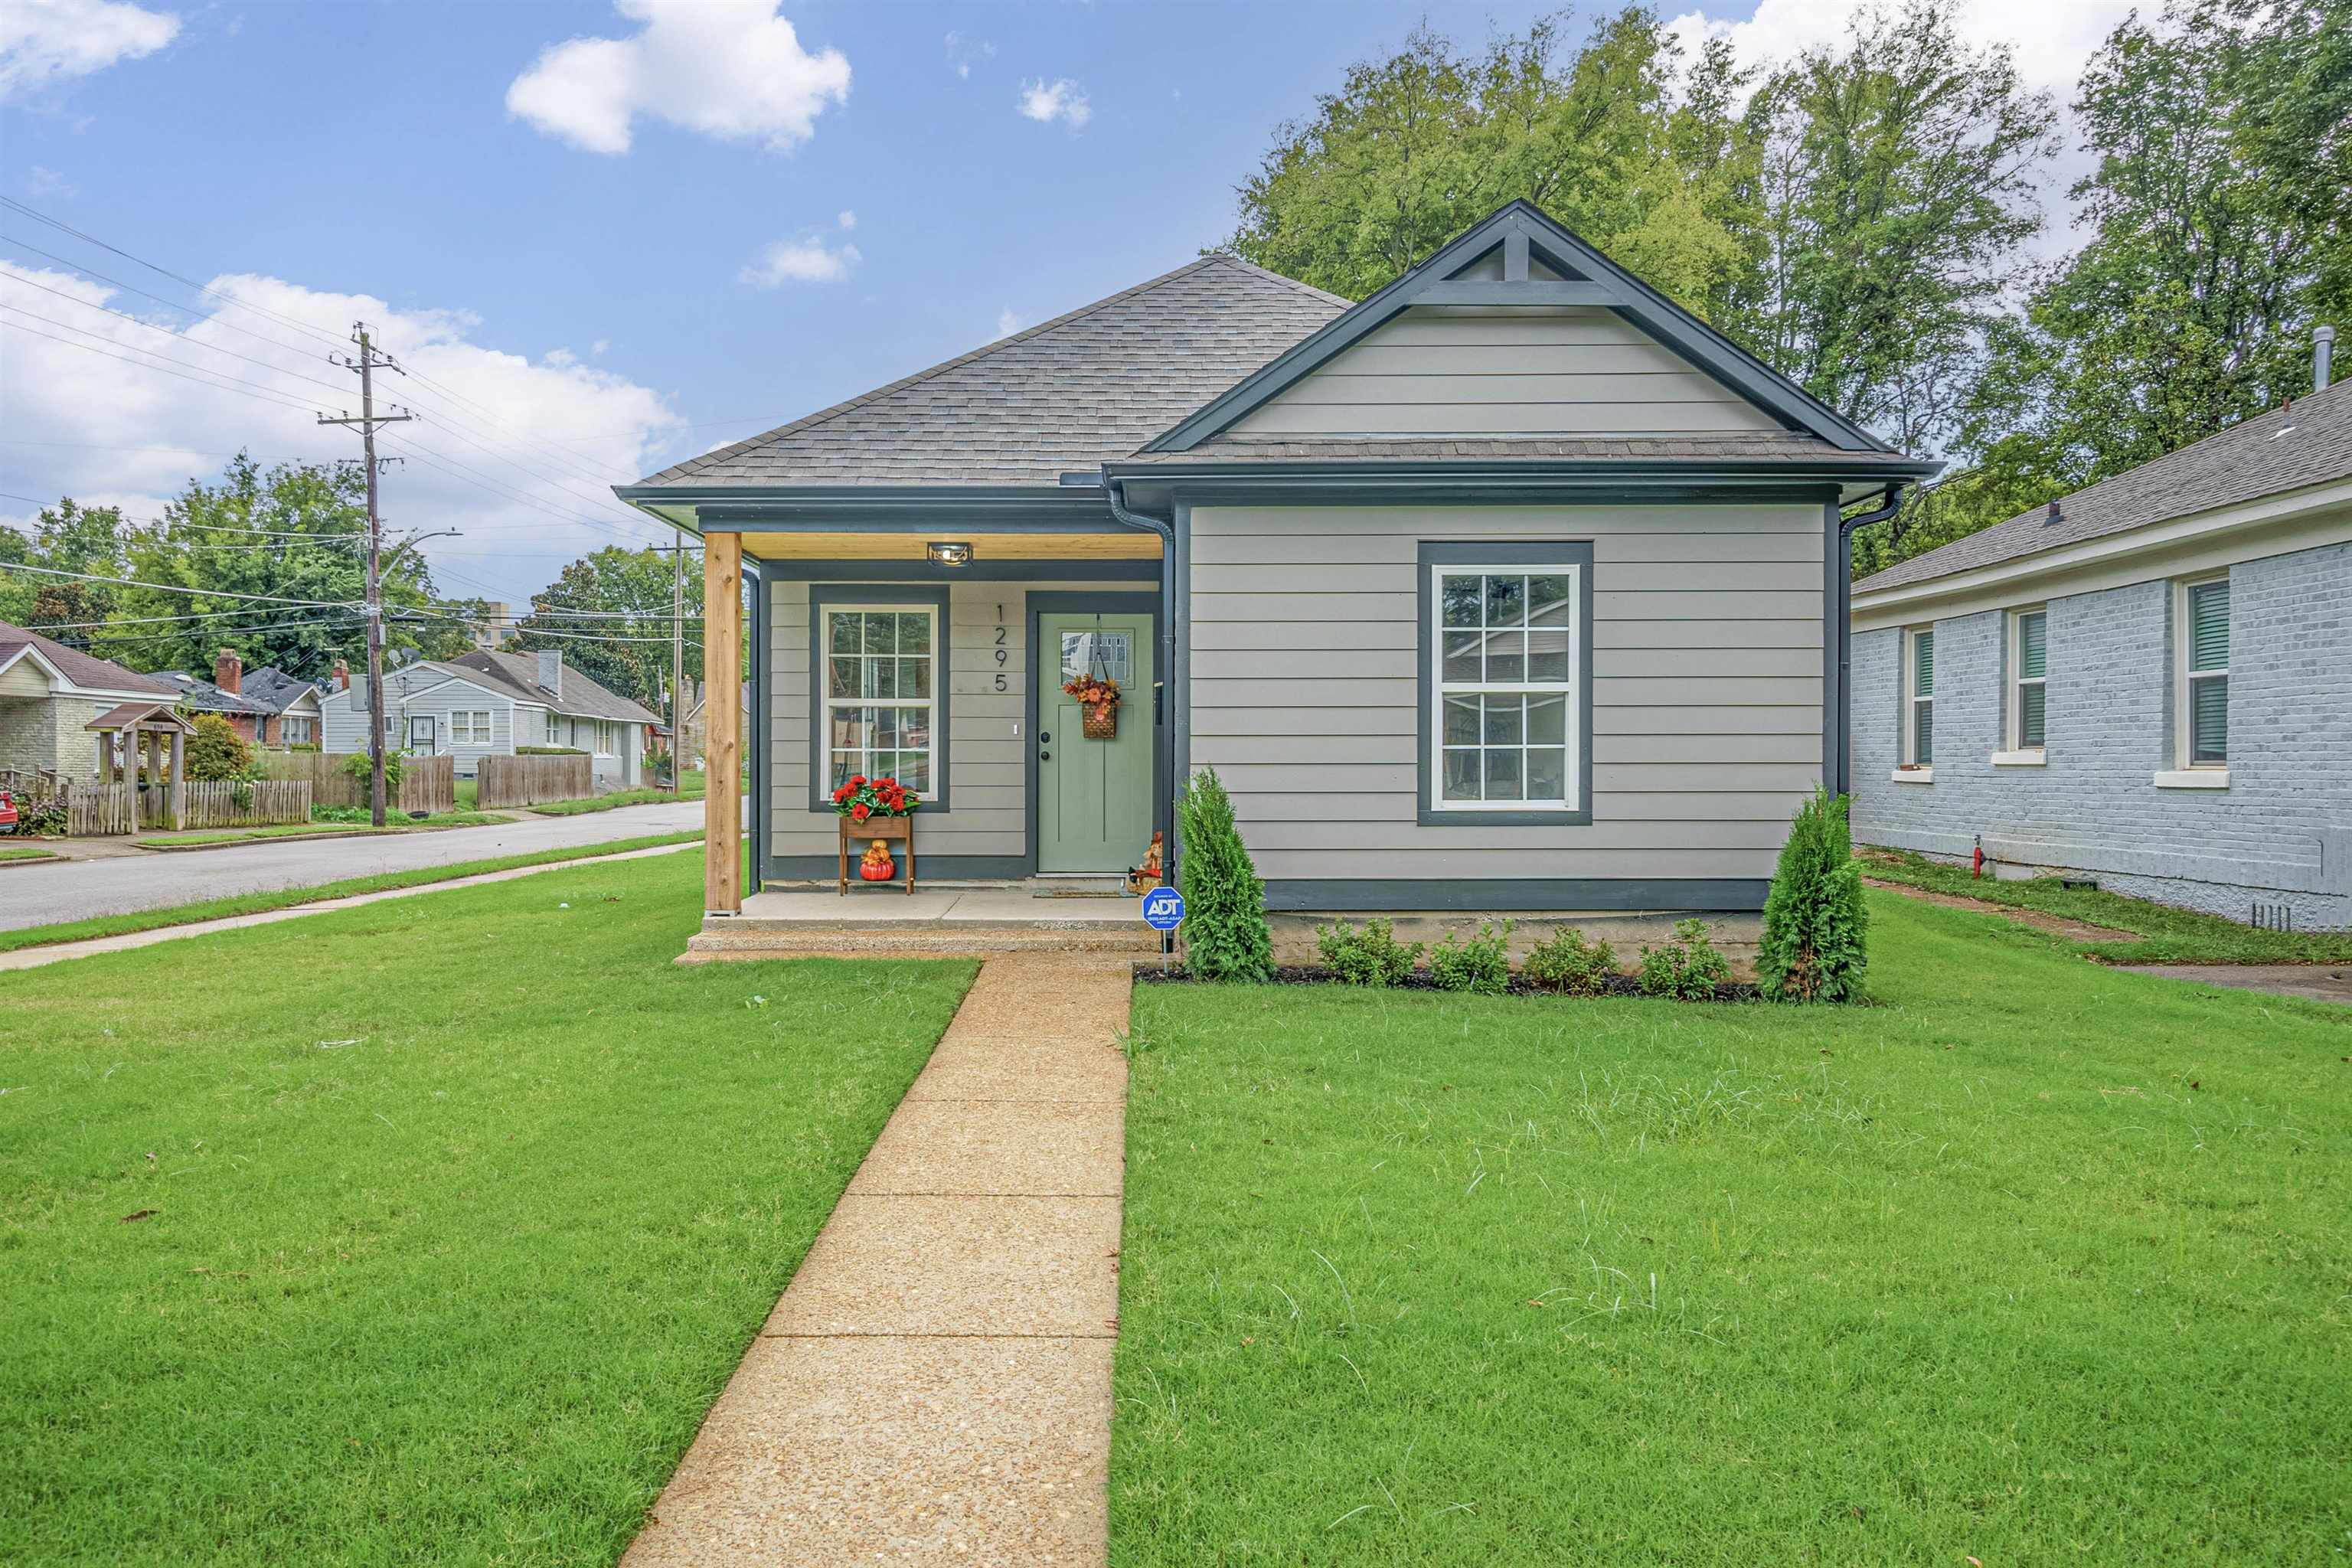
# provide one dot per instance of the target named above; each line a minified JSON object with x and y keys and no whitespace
{"x":1081,"y":604}
{"x":1566,"y":254}
{"x":1559,"y":895}
{"x":943,"y":519}
{"x":1837,"y":569}
{"x":1560,"y":483}
{"x":1033,"y":570}
{"x":757,"y":765}
{"x":943,"y":650}
{"x":1179,"y":692}
{"x":1504,"y":291}
{"x":927,"y":867}
{"x":1501,"y":552}
{"x":1837,"y":715}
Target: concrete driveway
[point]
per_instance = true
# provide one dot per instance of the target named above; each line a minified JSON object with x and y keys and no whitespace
{"x":41,"y":895}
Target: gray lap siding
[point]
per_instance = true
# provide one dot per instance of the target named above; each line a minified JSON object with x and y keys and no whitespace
{"x":1706,"y":686}
{"x":985,"y":829}
{"x":2281,"y":833}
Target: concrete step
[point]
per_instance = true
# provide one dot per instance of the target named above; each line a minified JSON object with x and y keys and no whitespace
{"x":729,"y":939}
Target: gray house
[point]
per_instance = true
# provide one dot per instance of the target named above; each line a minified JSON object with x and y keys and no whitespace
{"x":2148,"y":681}
{"x":1512,"y":588}
{"x":490,"y":704}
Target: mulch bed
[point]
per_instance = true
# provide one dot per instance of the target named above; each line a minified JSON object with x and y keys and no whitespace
{"x":1422,"y":980}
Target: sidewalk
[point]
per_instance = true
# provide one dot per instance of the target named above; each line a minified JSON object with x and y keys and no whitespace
{"x":934,"y":1386}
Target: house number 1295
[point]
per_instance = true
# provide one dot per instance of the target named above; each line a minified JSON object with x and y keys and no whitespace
{"x":1001,"y":654}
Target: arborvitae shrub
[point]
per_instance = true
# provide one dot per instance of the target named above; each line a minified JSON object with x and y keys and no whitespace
{"x":1225,"y":934}
{"x":1815,"y":925}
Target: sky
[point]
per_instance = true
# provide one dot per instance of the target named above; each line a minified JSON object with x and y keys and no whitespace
{"x":603,"y":237}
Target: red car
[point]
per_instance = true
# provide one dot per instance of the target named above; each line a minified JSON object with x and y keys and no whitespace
{"x":7,"y":812}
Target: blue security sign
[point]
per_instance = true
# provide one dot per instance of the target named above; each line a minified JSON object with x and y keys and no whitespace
{"x":1163,"y":908}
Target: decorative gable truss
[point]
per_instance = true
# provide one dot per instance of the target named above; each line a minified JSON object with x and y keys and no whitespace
{"x":1518,"y":328}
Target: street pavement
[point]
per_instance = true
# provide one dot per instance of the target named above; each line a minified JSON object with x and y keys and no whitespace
{"x":80,"y":889}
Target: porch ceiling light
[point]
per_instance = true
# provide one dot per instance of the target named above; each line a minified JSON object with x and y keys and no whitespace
{"x":948,"y":552}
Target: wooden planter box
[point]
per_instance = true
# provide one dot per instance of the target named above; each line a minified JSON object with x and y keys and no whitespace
{"x":890,"y":830}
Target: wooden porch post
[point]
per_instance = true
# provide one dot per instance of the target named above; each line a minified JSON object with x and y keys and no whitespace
{"x":179,"y":779}
{"x":722,"y":718}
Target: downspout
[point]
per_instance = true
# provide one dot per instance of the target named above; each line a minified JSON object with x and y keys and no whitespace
{"x":1893,"y":502}
{"x":1115,"y":496}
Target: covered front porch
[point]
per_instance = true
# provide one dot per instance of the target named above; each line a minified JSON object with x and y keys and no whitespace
{"x":929,"y":640}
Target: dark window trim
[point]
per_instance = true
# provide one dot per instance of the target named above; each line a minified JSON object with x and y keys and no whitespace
{"x":1502,"y":553}
{"x":942,"y":648}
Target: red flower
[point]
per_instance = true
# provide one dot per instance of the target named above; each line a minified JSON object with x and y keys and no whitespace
{"x":841,"y":794}
{"x":859,"y":813}
{"x":857,"y":779}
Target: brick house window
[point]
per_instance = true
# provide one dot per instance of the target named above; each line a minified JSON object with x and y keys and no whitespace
{"x":2203,"y":718}
{"x":1920,"y":698}
{"x":2029,"y":656}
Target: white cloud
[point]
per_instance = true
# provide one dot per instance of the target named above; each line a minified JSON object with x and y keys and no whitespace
{"x":1007,"y":323}
{"x":45,"y":42}
{"x":546,"y":435}
{"x":847,"y":219}
{"x":729,"y":69}
{"x":47,"y":183}
{"x":808,"y":260}
{"x":1059,"y":100}
{"x":963,"y":51}
{"x":599,"y":346}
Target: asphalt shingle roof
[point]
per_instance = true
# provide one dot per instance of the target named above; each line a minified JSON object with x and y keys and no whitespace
{"x":520,"y":673}
{"x":1061,"y":397}
{"x":2307,"y":443}
{"x":82,"y":669}
{"x":273,"y":688}
{"x":205,"y":697}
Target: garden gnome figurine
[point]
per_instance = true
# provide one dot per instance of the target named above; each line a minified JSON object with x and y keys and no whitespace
{"x":1153,"y":870}
{"x":876,"y":865}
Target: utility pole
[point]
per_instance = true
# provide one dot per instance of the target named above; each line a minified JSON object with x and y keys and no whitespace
{"x":367,"y":421}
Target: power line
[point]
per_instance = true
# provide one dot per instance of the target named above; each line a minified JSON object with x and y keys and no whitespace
{"x":152,"y":327}
{"x":223,"y":386}
{"x":174,"y":588}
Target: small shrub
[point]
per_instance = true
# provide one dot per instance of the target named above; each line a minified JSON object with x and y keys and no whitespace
{"x":1479,"y":966}
{"x":1687,"y":969}
{"x":1816,"y":924}
{"x":1225,"y":934}
{"x":363,"y":771}
{"x":216,"y":753}
{"x":1566,"y":963}
{"x":548,"y":752}
{"x":42,"y":816}
{"x":1371,"y":956}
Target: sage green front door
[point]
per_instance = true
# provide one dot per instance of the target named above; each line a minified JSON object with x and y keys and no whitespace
{"x":1094,"y":796}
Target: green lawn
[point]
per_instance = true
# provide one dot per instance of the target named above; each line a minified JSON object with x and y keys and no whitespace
{"x":612,"y":802}
{"x":2035,"y":1261}
{"x":2165,"y":934}
{"x":25,"y":852}
{"x":421,"y":1233}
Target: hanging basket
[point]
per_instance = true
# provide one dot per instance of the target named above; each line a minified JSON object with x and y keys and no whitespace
{"x":1101,"y":721}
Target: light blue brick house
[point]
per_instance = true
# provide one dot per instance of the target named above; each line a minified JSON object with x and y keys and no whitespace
{"x":2149,"y":683}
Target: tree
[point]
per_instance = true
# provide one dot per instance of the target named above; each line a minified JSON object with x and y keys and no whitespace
{"x":2219,"y":209}
{"x":67,"y":537}
{"x":1895,"y":190}
{"x":1225,"y":933}
{"x":1816,"y":924}
{"x":1416,"y":148}
{"x":216,"y":753}
{"x":624,"y":593}
{"x":296,"y":531}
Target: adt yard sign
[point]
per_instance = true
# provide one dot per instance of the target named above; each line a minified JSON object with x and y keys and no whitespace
{"x":1163,"y":908}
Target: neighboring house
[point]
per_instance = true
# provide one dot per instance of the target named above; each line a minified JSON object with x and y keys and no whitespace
{"x":291,"y":704}
{"x":480,"y":704}
{"x":1509,"y":588}
{"x":695,"y":729}
{"x":2148,"y":681}
{"x":49,"y":693}
{"x":220,"y":695}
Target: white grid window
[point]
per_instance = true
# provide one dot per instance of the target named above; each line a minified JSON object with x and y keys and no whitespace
{"x":469,"y":728}
{"x":1504,"y":648}
{"x":881,"y":693}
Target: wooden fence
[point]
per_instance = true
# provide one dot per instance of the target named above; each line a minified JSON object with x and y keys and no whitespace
{"x":266,"y":801}
{"x":527,"y":781}
{"x":96,"y":809}
{"x":426,"y":783}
